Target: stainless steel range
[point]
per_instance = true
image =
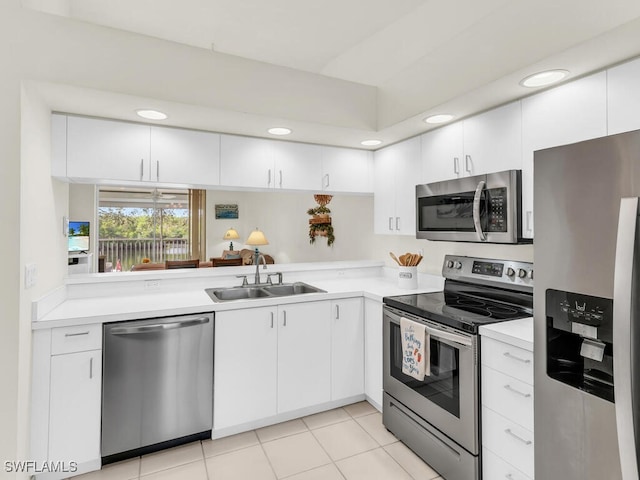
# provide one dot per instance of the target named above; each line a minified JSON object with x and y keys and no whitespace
{"x":438,"y":417}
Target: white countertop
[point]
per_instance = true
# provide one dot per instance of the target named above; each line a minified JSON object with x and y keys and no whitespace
{"x":515,"y":332}
{"x":95,"y":308}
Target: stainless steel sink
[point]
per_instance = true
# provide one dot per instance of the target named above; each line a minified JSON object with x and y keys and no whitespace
{"x":261,"y":291}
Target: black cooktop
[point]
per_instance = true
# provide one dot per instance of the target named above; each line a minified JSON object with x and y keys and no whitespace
{"x":465,"y":307}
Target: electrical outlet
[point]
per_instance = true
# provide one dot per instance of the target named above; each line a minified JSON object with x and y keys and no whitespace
{"x":151,"y":284}
{"x":421,"y":252}
{"x":30,"y":275}
{"x":341,"y":273}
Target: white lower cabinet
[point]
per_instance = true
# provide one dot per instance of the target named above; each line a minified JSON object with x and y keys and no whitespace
{"x":274,"y":360}
{"x":373,"y":351}
{"x":507,"y":411}
{"x":347,"y":348}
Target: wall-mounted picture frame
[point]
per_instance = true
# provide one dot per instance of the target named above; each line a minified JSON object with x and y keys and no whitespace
{"x":227,"y":211}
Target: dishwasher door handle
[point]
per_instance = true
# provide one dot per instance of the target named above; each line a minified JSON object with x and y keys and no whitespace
{"x":159,"y":327}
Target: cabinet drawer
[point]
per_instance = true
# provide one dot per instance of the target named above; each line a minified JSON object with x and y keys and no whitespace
{"x":76,"y":339}
{"x":505,"y":358}
{"x":510,"y":439}
{"x":494,"y":467}
{"x":507,"y":395}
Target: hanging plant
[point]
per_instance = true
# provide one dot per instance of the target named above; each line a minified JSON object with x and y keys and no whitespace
{"x":320,"y":223}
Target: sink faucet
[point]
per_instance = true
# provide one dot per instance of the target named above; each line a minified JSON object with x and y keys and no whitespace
{"x":264,"y":262}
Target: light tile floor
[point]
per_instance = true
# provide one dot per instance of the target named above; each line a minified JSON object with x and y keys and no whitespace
{"x":348,"y":443}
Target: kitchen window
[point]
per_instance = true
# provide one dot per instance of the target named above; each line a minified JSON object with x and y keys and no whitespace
{"x":137,"y":225}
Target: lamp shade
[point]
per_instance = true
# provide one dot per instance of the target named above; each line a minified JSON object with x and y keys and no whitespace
{"x":256,"y":238}
{"x":231,"y":234}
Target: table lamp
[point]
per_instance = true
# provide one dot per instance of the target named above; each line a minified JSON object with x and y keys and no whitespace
{"x":255,"y":239}
{"x":231,"y":235}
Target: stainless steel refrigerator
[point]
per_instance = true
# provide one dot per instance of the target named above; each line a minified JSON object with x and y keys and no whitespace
{"x":587,"y":313}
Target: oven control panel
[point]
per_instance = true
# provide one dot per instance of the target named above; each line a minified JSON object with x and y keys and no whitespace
{"x":490,"y":271}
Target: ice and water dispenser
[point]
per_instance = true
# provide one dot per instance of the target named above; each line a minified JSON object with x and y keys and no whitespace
{"x":580,"y":341}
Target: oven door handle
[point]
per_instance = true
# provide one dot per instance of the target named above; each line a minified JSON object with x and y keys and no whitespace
{"x":451,"y":337}
{"x":476,"y":210}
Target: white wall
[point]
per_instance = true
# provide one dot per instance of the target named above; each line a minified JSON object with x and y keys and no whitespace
{"x":283,"y":219}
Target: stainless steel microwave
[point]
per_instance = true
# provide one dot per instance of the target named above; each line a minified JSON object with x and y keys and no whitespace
{"x":483,"y":208}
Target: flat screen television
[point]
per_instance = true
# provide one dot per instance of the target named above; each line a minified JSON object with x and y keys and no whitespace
{"x":78,"y":237}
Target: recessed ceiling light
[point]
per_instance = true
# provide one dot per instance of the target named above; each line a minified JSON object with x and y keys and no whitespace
{"x":440,"y":118}
{"x":152,"y":114}
{"x":370,"y":143}
{"x":541,"y":79}
{"x":279,"y":131}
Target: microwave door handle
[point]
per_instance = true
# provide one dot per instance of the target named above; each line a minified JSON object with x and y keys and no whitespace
{"x":625,"y":337}
{"x":476,"y":211}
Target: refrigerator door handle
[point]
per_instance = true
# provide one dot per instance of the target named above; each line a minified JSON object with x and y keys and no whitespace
{"x":476,"y":210}
{"x":623,"y":342}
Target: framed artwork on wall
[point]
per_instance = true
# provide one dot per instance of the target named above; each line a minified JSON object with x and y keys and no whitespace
{"x":227,"y":211}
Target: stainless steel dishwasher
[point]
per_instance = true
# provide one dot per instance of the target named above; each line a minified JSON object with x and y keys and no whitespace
{"x":157,"y":387}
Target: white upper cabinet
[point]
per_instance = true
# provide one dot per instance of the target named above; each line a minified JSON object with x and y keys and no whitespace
{"x":58,"y":146}
{"x":486,"y":143}
{"x":493,"y":141}
{"x":623,"y":94}
{"x":184,"y":156}
{"x":260,"y":163}
{"x":297,"y":166}
{"x":347,"y":170}
{"x":442,"y":152}
{"x":396,"y":173}
{"x":107,"y":150}
{"x":570,"y":113}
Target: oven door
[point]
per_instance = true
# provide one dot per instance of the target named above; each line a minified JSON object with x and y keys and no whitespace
{"x":446,"y":399}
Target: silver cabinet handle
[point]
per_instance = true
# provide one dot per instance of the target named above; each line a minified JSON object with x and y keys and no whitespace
{"x":141,"y":168}
{"x":456,"y":165}
{"x":159,"y":327}
{"x":76,"y":334}
{"x":476,"y":211}
{"x":326,"y":177}
{"x":284,"y":317}
{"x":271,"y":319}
{"x":391,"y":223}
{"x":91,"y":367}
{"x":518,"y":392}
{"x":280,"y":178}
{"x":337,"y":312}
{"x":158,"y":170}
{"x":624,"y":313}
{"x":397,"y":223}
{"x":467,"y":163}
{"x":514,"y":357}
{"x":509,"y":432}
{"x":269,"y":178}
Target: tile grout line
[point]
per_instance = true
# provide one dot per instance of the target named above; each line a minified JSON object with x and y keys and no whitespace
{"x":204,"y":459}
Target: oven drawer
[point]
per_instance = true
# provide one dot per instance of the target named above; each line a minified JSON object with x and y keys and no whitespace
{"x":76,"y":339}
{"x":514,"y":361}
{"x":510,"y":439}
{"x":494,"y":467}
{"x":507,"y":395}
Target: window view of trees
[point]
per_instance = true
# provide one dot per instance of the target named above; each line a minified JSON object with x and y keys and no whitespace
{"x":138,"y":227}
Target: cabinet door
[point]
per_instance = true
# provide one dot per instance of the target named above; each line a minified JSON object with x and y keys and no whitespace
{"x":298,"y":166}
{"x":623,"y":97}
{"x":107,"y":150}
{"x":373,"y":351}
{"x":442,"y":153}
{"x":493,"y":141}
{"x":566,"y":114}
{"x":347,"y":348}
{"x":74,"y":420}
{"x":407,"y":175}
{"x":304,"y":360}
{"x":185,"y":156}
{"x":347,"y":170}
{"x":245,"y":366}
{"x":384,"y":202}
{"x":246,"y":162}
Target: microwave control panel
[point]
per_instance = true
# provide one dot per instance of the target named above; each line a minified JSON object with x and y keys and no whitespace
{"x":497,"y":210}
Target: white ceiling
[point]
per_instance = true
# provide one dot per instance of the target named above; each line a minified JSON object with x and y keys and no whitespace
{"x":423,"y":56}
